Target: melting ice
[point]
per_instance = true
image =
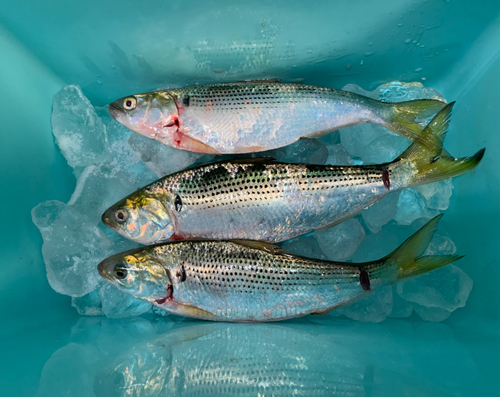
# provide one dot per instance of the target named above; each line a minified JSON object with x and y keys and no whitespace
{"x":110,"y":162}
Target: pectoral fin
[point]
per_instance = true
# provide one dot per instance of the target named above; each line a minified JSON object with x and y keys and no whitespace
{"x":185,"y":142}
{"x":173,"y":307}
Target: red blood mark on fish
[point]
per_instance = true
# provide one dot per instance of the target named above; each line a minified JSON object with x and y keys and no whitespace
{"x":385,"y":178}
{"x":364,"y":280}
{"x":178,"y":138}
{"x":169,"y":297}
{"x":176,"y":237}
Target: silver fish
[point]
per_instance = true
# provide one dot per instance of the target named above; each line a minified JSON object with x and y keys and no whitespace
{"x":253,"y":116}
{"x":257,"y":199}
{"x":252,"y":281}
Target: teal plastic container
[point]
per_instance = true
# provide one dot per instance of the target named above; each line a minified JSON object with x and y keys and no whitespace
{"x":115,"y":48}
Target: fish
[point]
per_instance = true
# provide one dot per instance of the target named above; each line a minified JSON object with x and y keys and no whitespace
{"x":259,"y":199}
{"x":255,"y":281}
{"x":258,"y":115}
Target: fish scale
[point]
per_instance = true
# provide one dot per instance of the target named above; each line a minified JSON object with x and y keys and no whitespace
{"x":252,"y":201}
{"x":253,"y":116}
{"x":224,"y":277}
{"x":250,"y":281}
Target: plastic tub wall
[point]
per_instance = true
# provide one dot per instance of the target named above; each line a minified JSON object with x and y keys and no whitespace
{"x":115,"y":48}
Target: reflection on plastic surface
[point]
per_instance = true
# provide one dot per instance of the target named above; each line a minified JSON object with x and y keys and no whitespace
{"x":139,"y":357}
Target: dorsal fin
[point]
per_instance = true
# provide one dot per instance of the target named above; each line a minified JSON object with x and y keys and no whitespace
{"x":260,"y":245}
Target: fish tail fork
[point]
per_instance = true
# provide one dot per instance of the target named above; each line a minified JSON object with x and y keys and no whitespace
{"x":428,"y":160}
{"x":402,"y":117}
{"x":409,"y":260}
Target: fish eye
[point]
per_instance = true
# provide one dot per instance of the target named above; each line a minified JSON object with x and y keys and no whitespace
{"x":129,"y":103}
{"x":121,"y":216}
{"x":120,"y":271}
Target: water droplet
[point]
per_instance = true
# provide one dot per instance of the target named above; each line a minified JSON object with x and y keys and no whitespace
{"x":367,"y":54}
{"x":422,"y":45}
{"x":418,"y":70}
{"x":99,"y":82}
{"x":348,"y":66}
{"x":424,"y":78}
{"x":399,"y":25}
{"x":407,"y":41}
{"x":414,"y":41}
{"x":370,"y":44}
{"x":361,"y":63}
{"x":113,"y":67}
{"x":309,"y":50}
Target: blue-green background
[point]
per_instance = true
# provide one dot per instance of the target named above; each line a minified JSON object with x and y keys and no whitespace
{"x":114,"y":48}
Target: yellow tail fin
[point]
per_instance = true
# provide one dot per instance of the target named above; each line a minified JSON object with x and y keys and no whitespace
{"x":427,"y":155}
{"x":408,"y":257}
{"x":403,"y":116}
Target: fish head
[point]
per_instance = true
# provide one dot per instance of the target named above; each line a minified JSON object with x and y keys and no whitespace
{"x":152,"y":114}
{"x":136,"y":273}
{"x":141,"y":218}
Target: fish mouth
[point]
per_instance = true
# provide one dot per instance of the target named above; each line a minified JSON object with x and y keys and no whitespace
{"x":114,"y":110}
{"x":101,"y":268}
{"x":105,"y":219}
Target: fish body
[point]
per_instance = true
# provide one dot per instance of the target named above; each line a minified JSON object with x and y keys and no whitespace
{"x":259,"y":199}
{"x":250,"y":281}
{"x":254,"y":116}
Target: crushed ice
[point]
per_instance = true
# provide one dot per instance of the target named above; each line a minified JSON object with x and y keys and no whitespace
{"x":110,"y":162}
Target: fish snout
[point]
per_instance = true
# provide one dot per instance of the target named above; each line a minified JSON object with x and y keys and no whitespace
{"x":101,"y":268}
{"x":106,"y":218}
{"x":114,"y":110}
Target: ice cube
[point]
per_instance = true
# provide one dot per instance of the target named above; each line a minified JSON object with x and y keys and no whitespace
{"x":125,"y":159}
{"x":73,"y":247}
{"x":374,"y":308}
{"x":305,"y":150}
{"x":411,"y":206}
{"x":97,"y":188}
{"x":79,"y":132}
{"x":339,"y":242}
{"x":446,"y":288}
{"x":88,"y":305}
{"x":117,"y":304}
{"x":382,"y":212}
{"x":441,"y":244}
{"x":400,"y":307}
{"x":337,"y":155}
{"x":162,"y":159}
{"x":376,"y":246}
{"x":436,"y":195}
{"x":371,"y":143}
{"x":305,"y":246}
{"x":397,"y":91}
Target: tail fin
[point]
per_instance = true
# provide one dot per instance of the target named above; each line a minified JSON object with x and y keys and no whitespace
{"x":408,"y":257}
{"x":403,"y":115}
{"x":431,"y":162}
